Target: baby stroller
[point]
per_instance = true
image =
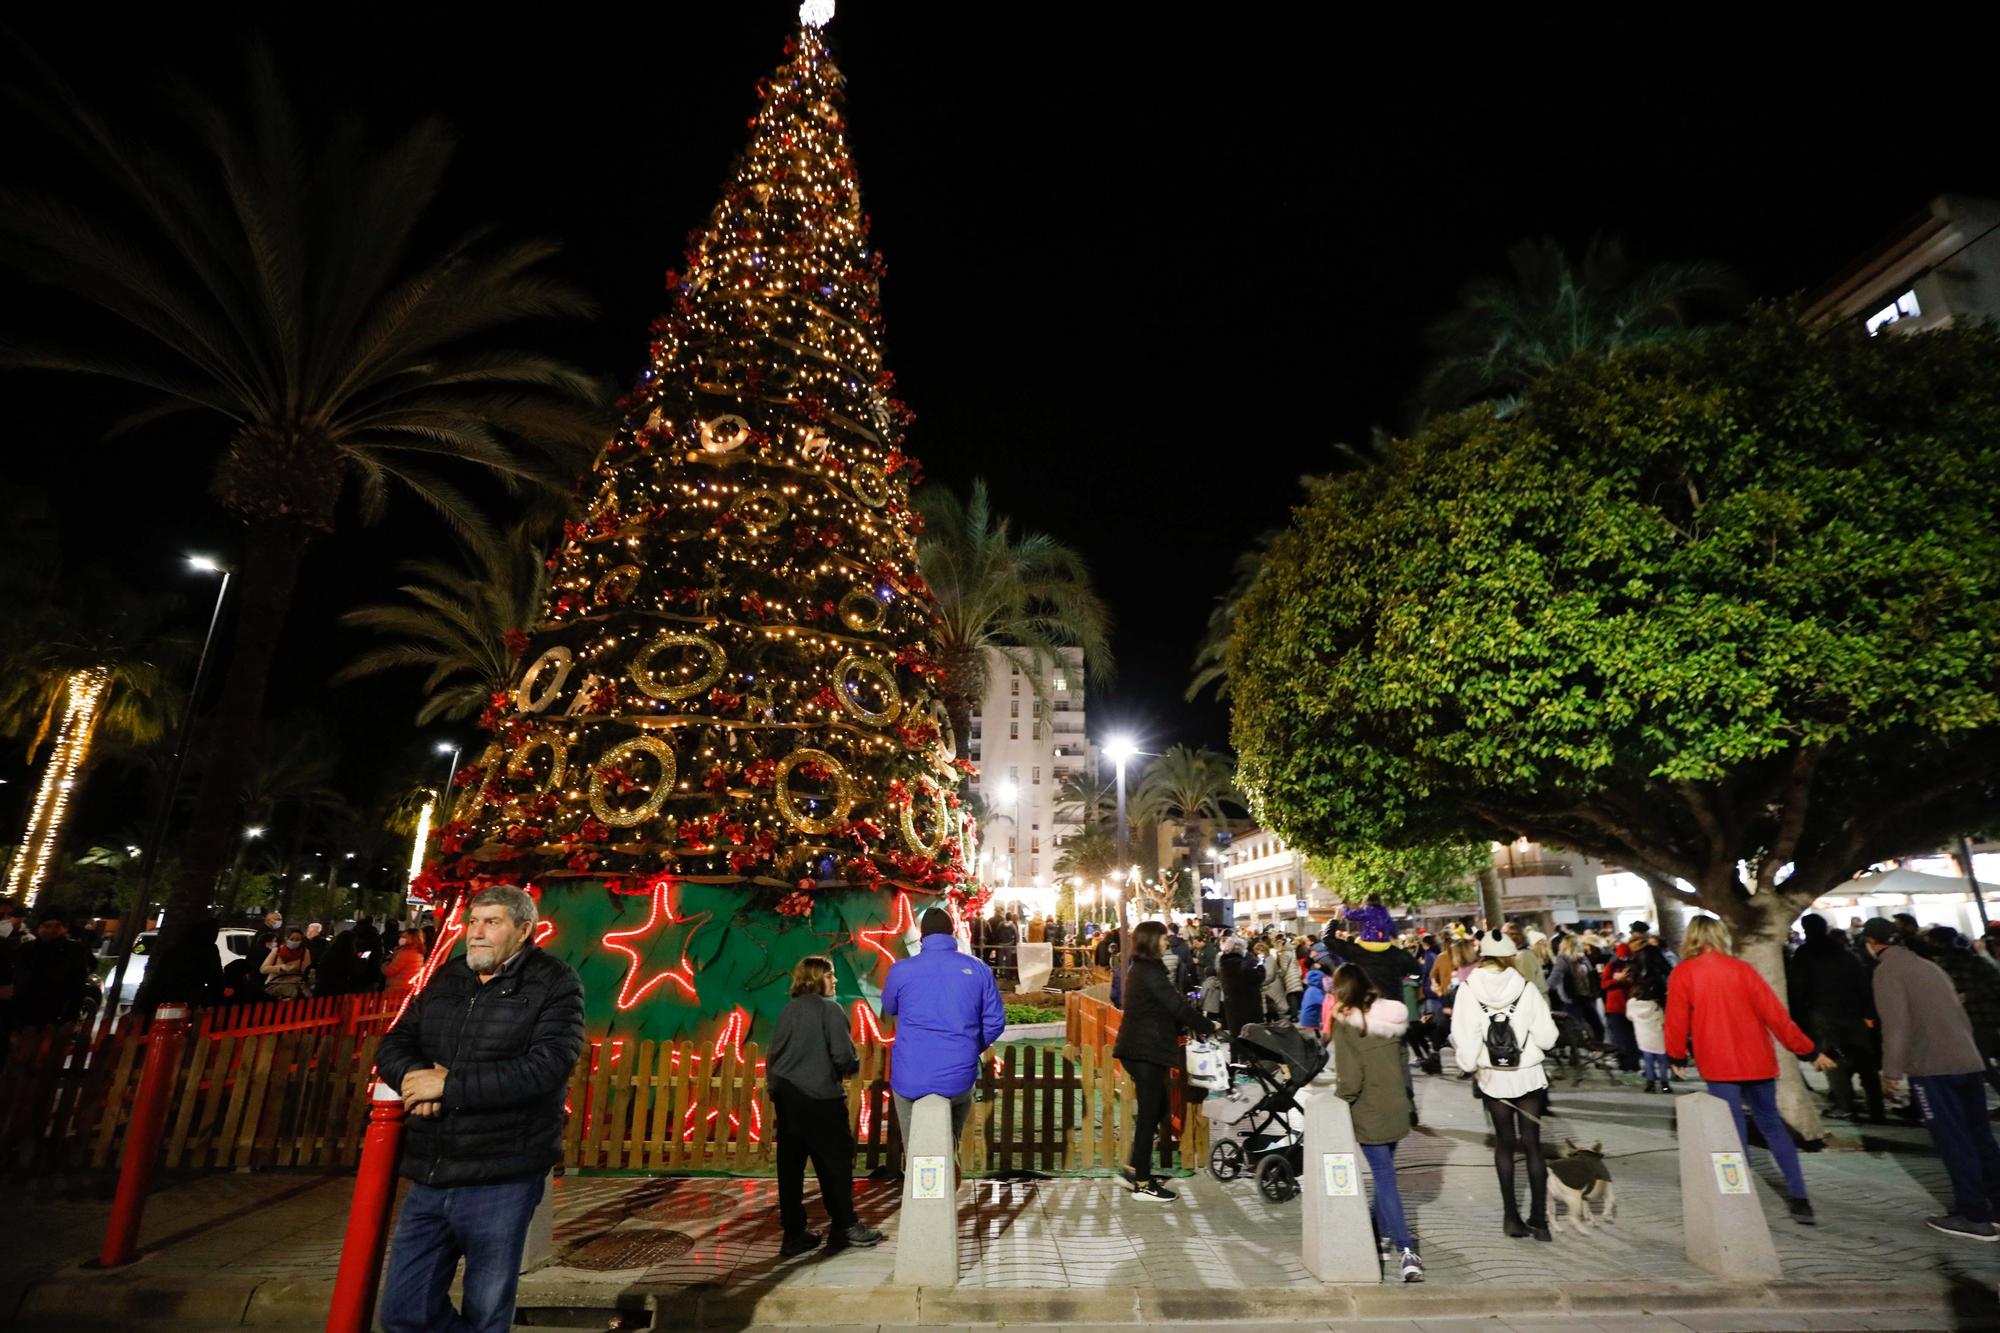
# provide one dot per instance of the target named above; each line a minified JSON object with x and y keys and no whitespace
{"x":1268,"y":1140}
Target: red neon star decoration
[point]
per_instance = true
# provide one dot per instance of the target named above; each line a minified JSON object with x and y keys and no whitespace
{"x":682,"y":974}
{"x":899,"y":925}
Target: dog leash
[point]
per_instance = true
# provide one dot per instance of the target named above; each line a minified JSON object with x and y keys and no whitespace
{"x":1522,"y":1109}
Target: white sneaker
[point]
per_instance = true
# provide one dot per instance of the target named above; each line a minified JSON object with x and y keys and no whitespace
{"x":1413,"y":1267}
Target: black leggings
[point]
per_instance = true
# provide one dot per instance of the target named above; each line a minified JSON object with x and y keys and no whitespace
{"x":1149,"y":1081}
{"x":1510,"y":1126}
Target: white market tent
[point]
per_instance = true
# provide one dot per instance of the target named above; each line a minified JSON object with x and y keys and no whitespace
{"x":1941,"y":900}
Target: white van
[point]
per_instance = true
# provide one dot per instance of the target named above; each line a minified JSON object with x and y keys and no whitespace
{"x":231,"y":942}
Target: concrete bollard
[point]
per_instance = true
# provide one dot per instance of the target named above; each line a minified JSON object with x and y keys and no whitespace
{"x":541,"y":1241}
{"x":927,"y":1231}
{"x":1339,"y":1240}
{"x":1721,"y":1215}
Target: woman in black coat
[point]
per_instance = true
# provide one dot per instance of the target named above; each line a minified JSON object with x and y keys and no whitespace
{"x":1149,"y":1037}
{"x":1242,"y":986}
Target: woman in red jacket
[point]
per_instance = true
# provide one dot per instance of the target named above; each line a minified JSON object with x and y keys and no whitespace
{"x":1616,"y":983}
{"x":1732,"y":1014}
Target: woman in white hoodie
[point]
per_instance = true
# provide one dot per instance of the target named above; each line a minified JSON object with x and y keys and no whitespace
{"x":1514,"y":1088}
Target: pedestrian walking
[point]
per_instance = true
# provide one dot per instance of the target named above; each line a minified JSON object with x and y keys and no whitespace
{"x":1242,"y":985}
{"x":811,"y":1054}
{"x":1615,"y":981}
{"x":1500,"y":1029}
{"x":1284,"y":985}
{"x":1312,"y":1008}
{"x":1732,"y":1014}
{"x":1367,"y":1031}
{"x":484,"y":1131}
{"x":947,"y":1010}
{"x":1148,"y":1046}
{"x":1927,"y":1038}
{"x":1828,"y":990}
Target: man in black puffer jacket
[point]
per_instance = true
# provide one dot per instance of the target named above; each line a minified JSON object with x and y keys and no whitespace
{"x":481,"y":1057}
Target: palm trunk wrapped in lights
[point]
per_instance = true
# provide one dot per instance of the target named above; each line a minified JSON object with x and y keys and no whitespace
{"x":82,"y":706}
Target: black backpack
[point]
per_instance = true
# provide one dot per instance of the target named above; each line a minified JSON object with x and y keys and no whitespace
{"x":1503,"y":1048}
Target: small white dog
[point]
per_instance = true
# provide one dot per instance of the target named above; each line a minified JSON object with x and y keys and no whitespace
{"x":1577,"y":1177}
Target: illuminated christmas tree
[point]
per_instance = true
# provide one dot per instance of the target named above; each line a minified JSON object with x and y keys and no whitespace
{"x":725,"y":748}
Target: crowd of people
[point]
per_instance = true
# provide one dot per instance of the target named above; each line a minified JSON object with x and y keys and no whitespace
{"x":292,"y":960}
{"x":1906,"y":1008}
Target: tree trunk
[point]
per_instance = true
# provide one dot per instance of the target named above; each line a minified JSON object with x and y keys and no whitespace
{"x":1490,"y":903}
{"x":1795,"y":1099}
{"x":186,"y":966}
{"x":1668,"y":927}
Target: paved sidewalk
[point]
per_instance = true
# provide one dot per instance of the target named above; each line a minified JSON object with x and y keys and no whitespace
{"x":263,"y":1248}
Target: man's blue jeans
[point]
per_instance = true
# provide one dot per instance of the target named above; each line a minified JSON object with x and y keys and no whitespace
{"x":1954,"y":1107}
{"x":1761,"y":1099}
{"x":487,"y":1226}
{"x":1388,"y":1200}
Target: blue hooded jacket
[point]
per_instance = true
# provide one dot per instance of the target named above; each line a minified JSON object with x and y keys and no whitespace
{"x":1314,"y":1003}
{"x":947,"y":1010}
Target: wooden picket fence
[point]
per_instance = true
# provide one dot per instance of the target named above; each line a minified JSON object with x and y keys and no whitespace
{"x":252,"y":1095}
{"x":353,"y":1014}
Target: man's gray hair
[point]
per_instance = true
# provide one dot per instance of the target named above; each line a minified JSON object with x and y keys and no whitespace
{"x":518,"y":904}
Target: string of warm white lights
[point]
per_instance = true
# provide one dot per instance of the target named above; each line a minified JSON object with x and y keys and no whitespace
{"x":83,"y":697}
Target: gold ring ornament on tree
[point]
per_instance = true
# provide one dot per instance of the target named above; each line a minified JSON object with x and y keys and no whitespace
{"x":871,"y":487}
{"x":518,"y":763}
{"x":846,"y":684}
{"x":533,"y":695}
{"x":723,"y":434}
{"x":618,"y":583}
{"x":947,"y":741}
{"x":861,"y":611}
{"x":760,"y":510}
{"x":940,"y":824}
{"x":618,"y":756}
{"x":788,"y":804}
{"x":683,"y":685}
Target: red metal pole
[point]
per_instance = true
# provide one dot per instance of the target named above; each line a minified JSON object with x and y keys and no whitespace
{"x":142,"y":1136}
{"x":360,"y":1276}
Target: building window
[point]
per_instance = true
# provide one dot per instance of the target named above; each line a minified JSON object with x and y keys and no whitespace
{"x":1061,"y":683}
{"x":1013,"y":669}
{"x":1013,"y":731}
{"x":1010,"y":844}
{"x":1903,"y":307}
{"x":1035,"y":845}
{"x":1014,"y":708}
{"x":1016,"y":684}
{"x":1034,"y":865}
{"x":1036,"y":728}
{"x":1014,"y":774}
{"x":1037,"y":778}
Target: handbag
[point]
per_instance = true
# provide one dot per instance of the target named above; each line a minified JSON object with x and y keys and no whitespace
{"x":1208,"y":1065}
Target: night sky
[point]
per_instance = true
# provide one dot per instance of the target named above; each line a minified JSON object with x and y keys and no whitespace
{"x":1141,"y":275}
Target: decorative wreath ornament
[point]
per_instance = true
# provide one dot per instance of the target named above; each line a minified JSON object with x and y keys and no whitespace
{"x":640,"y":668}
{"x":558,"y":748}
{"x":862,"y":611}
{"x":947,"y":741}
{"x":724,"y":434}
{"x":661,"y":754}
{"x":941,"y":823}
{"x":788,"y":805}
{"x":845,"y":686}
{"x":532,"y":695}
{"x":871,"y":485}
{"x":760,"y":510}
{"x":617,"y":584}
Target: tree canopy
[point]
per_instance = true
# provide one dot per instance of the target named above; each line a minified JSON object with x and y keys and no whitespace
{"x":1698,"y":603}
{"x":1405,"y":876}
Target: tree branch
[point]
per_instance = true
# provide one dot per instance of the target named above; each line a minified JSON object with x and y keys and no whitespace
{"x":1792,"y":817}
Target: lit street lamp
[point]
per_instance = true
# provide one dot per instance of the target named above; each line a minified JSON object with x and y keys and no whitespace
{"x":149,"y":857}
{"x":1119,"y":749}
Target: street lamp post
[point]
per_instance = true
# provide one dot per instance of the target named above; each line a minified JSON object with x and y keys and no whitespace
{"x":149,"y":855}
{"x":1118,"y":750}
{"x":445,"y":795}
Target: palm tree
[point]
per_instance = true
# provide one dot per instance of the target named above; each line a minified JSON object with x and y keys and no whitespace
{"x":1508,"y":332}
{"x":94,"y":670}
{"x":456,"y":622}
{"x":278,"y":287}
{"x":1186,"y":785}
{"x":1025,"y":596}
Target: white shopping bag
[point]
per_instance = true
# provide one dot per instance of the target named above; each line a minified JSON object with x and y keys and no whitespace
{"x":1208,"y":1065}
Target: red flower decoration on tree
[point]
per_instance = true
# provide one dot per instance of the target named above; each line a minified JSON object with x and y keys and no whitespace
{"x":517,"y":644}
{"x":760,"y":772}
{"x":717,"y":780}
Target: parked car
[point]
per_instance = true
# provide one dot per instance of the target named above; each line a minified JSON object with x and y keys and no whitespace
{"x":231,"y":942}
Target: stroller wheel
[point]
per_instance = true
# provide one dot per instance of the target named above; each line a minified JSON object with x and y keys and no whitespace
{"x":1275,"y":1179}
{"x":1226,"y":1161}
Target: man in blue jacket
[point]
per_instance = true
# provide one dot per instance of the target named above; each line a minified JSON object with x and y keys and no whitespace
{"x":947,"y":1010}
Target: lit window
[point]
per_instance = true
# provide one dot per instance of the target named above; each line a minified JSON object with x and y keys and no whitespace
{"x":1060,"y":682}
{"x":1903,"y":307}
